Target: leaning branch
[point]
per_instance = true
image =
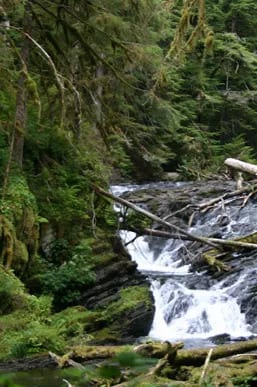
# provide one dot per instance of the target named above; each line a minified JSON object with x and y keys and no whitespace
{"x":155,"y":218}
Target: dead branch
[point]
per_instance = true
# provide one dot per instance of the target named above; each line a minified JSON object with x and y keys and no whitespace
{"x":227,"y":195}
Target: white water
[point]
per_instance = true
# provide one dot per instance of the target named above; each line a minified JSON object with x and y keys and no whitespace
{"x":183,"y":312}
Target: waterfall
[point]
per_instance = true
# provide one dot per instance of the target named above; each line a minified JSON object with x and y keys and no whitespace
{"x":191,"y":305}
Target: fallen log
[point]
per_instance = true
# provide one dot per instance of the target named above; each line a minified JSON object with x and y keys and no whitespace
{"x":228,"y":195}
{"x":241,"y":166}
{"x":157,"y":350}
{"x":196,"y":357}
{"x":236,"y":243}
{"x":213,"y":242}
{"x":159,"y":233}
{"x":155,"y":218}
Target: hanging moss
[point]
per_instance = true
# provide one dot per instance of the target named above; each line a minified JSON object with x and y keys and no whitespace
{"x":8,"y":238}
{"x":21,"y":256}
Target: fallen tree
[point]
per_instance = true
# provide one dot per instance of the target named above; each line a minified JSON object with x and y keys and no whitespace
{"x":153,"y":217}
{"x":191,"y":367}
{"x":241,"y":166}
{"x":197,"y":357}
{"x":235,"y":243}
{"x":219,"y":244}
{"x":174,"y":353}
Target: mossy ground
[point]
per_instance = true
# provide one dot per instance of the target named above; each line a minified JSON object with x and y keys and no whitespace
{"x":27,"y":325}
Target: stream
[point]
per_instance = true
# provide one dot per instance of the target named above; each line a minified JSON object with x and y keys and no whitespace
{"x":192,"y":306}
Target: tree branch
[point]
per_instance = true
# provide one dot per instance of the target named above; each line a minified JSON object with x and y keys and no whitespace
{"x":155,"y":218}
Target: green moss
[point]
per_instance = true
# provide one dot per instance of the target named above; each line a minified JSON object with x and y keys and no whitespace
{"x":250,"y":238}
{"x":104,"y":258}
{"x":210,"y":258}
{"x":106,"y":335}
{"x":11,"y":292}
{"x":130,"y":297}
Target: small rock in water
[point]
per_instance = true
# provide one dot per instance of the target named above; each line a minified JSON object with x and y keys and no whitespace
{"x":220,"y":339}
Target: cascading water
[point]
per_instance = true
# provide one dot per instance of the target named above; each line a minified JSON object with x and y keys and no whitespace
{"x":190,"y":305}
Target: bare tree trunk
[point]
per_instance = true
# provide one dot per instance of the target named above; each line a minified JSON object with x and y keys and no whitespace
{"x":21,"y":97}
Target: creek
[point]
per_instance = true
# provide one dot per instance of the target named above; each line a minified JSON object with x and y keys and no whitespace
{"x":190,"y":304}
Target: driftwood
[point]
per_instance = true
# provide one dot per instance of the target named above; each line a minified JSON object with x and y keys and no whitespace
{"x":241,"y":166}
{"x":158,"y":350}
{"x":221,"y":364}
{"x":214,"y":242}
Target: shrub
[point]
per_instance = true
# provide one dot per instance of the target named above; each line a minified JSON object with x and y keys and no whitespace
{"x":67,"y":281}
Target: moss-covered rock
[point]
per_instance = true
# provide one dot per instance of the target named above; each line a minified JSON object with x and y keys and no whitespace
{"x":132,"y":314}
{"x":121,"y":295}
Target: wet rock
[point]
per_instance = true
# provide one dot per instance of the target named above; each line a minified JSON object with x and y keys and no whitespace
{"x":220,"y":339}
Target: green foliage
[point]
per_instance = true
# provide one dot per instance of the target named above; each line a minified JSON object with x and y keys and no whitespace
{"x":67,"y":281}
{"x":245,"y":381}
{"x":60,"y":251}
{"x":11,"y":292}
{"x":17,"y":198}
{"x":25,"y":327}
{"x":130,"y":297}
{"x":38,"y":337}
{"x":8,"y":381}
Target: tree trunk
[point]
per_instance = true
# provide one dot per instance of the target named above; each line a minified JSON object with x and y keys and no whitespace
{"x":21,"y":97}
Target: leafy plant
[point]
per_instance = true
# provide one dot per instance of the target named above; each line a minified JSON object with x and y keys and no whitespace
{"x":67,"y":281}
